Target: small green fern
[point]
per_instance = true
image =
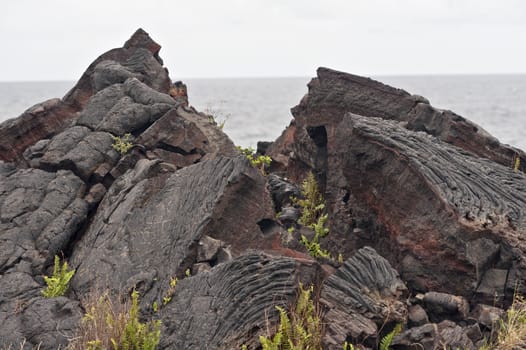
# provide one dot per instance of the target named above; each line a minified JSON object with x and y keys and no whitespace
{"x":58,"y":283}
{"x":314,"y":248}
{"x":386,"y":341}
{"x":313,"y":216}
{"x":312,"y":203}
{"x":137,"y":335}
{"x":301,"y":331}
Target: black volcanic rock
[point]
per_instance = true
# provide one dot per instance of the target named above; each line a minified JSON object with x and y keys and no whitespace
{"x":234,"y":303}
{"x":78,"y":190}
{"x":333,"y":94}
{"x":138,"y":58}
{"x":432,"y":194}
{"x":40,"y":213}
{"x":425,"y":204}
{"x":147,"y":226}
{"x":360,"y":298}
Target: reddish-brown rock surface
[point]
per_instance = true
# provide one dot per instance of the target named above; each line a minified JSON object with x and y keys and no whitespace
{"x":441,"y":212}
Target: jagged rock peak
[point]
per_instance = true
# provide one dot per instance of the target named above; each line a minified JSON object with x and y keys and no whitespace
{"x":142,"y":39}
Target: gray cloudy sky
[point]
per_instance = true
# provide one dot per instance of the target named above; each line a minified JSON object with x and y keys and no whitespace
{"x":58,"y":39}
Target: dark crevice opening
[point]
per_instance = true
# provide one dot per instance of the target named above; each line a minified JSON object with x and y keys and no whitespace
{"x":175,"y":149}
{"x":266,"y":225}
{"x":318,"y":134}
{"x":346,"y":197}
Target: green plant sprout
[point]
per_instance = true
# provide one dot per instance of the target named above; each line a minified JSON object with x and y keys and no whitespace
{"x":138,"y":335}
{"x":58,"y":282}
{"x":313,"y":206}
{"x":257,"y":161}
{"x":171,"y":290}
{"x":299,"y":331}
{"x":122,"y":144}
{"x":312,"y":203}
{"x":386,"y":341}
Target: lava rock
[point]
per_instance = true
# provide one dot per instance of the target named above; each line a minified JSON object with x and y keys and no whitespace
{"x":233,"y":303}
{"x":424,"y":337}
{"x":150,"y":221}
{"x":360,"y":296}
{"x":417,"y":316}
{"x":421,"y":201}
{"x":282,"y":191}
{"x":440,"y":305}
{"x":487,"y":315}
{"x":207,"y":249}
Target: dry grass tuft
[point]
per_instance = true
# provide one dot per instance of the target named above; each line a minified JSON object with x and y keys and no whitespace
{"x":511,"y":331}
{"x":111,"y":322}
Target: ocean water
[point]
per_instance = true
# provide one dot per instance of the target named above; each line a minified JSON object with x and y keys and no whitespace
{"x":255,"y":109}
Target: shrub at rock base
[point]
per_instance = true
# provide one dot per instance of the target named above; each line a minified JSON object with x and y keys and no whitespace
{"x":111,"y":324}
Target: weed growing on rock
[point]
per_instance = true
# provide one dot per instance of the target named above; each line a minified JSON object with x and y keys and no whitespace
{"x":111,"y":323}
{"x":58,"y":283}
{"x":171,"y":290}
{"x":122,"y":144}
{"x":257,"y":161}
{"x":312,"y":215}
{"x":301,"y":329}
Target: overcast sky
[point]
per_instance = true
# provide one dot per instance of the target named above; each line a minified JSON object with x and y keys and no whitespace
{"x":58,"y":39}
